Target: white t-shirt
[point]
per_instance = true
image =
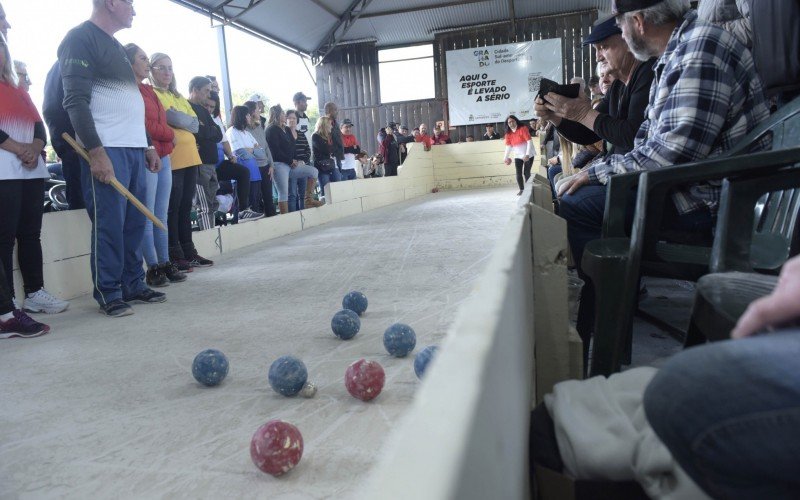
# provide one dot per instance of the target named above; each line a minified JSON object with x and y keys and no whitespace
{"x":349,"y":162}
{"x":218,"y":121}
{"x":10,"y":166}
{"x":241,"y":139}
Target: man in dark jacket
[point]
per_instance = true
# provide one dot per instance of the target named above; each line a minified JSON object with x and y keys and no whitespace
{"x":491,"y":134}
{"x":390,"y":150}
{"x":58,"y":122}
{"x":207,"y":137}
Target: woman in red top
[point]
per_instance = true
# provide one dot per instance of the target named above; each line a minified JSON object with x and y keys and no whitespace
{"x":155,"y":245}
{"x":519,"y":145}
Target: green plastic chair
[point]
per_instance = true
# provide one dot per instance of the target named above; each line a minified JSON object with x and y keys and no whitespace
{"x":616,"y":261}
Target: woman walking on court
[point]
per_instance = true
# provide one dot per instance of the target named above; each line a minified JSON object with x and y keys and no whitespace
{"x":520,"y":145}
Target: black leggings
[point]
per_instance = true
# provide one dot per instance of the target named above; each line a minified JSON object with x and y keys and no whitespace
{"x":21,"y":211}
{"x":179,"y":221}
{"x":518,"y":163}
{"x":266,"y":193}
{"x":228,"y":171}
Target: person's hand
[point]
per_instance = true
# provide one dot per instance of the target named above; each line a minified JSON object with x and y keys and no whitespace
{"x":553,"y":160}
{"x":153,"y":161}
{"x":542,"y":111}
{"x":780,"y":306}
{"x":233,"y":159}
{"x":572,"y":183}
{"x":565,"y":107}
{"x":526,"y":158}
{"x":293,"y":164}
{"x":100,"y":165}
{"x":174,"y":141}
{"x":28,"y":154}
{"x":270,"y":172}
{"x":507,"y":161}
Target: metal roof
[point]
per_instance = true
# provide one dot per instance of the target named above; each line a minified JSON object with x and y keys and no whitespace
{"x":313,"y":27}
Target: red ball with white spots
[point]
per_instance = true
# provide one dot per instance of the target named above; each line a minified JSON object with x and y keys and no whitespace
{"x":364,"y":379}
{"x":276,"y":447}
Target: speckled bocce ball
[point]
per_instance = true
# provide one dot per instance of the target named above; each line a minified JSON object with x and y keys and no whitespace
{"x":276,"y":447}
{"x":423,"y":358}
{"x":399,"y":340}
{"x":287,"y":375}
{"x":364,"y":379}
{"x":345,"y":324}
{"x":210,"y":367}
{"x":356,"y":302}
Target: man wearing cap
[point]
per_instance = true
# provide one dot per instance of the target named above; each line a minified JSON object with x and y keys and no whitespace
{"x":491,"y":134}
{"x":298,"y":186}
{"x":705,"y":97}
{"x":351,"y":149}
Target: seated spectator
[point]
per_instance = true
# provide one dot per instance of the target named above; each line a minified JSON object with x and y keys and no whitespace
{"x":155,"y":243}
{"x":606,"y":78}
{"x":58,"y":123}
{"x":23,"y":78}
{"x":362,"y":165}
{"x":286,"y":167}
{"x":322,"y":152}
{"x":15,"y":322}
{"x":390,"y":150}
{"x":440,"y":136}
{"x":302,"y":155}
{"x":594,"y":86}
{"x":490,"y":134}
{"x":207,"y":137}
{"x":261,"y":199}
{"x":470,"y":138}
{"x":22,"y":175}
{"x":520,"y":145}
{"x":708,"y":97}
{"x":227,"y":167}
{"x":185,"y":160}
{"x":351,"y":149}
{"x":246,"y":147}
{"x":375,"y":167}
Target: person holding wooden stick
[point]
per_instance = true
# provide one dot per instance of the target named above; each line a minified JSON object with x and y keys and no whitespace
{"x":106,"y":109}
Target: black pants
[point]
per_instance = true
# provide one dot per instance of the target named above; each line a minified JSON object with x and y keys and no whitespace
{"x":520,"y":166}
{"x":179,"y":222}
{"x":6,"y":302}
{"x":228,"y":171}
{"x":71,"y":169}
{"x":21,"y":210}
{"x":268,"y":204}
{"x":391,"y":170}
{"x":542,"y":443}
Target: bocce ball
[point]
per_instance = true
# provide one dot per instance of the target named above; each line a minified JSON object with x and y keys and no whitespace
{"x":399,"y":340}
{"x":287,"y":375}
{"x":345,"y":324}
{"x":276,"y":447}
{"x":422,"y":359}
{"x":210,"y":367}
{"x":356,"y":302}
{"x":364,"y":379}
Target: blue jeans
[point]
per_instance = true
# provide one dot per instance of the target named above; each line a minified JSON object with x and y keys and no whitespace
{"x":155,"y":243}
{"x":326,"y":177}
{"x":117,"y":227}
{"x":730,"y":414}
{"x":284,"y":173}
{"x":297,"y":191}
{"x":552,"y":172}
{"x":348,"y":174}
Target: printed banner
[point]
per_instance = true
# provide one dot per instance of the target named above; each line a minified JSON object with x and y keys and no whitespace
{"x":486,"y":84}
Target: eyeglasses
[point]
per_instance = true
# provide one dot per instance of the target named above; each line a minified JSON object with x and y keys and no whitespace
{"x":162,"y":68}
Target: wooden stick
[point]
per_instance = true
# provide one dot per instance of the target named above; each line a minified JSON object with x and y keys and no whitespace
{"x":115,"y":183}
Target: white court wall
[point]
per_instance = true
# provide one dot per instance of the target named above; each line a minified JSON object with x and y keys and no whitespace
{"x":65,"y":235}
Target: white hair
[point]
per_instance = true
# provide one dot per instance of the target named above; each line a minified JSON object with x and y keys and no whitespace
{"x":7,"y":72}
{"x":664,"y":12}
{"x":601,"y":68}
{"x":580,"y":81}
{"x":20,"y":66}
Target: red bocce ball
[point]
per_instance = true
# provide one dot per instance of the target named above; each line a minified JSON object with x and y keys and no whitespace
{"x":364,"y":379}
{"x":276,"y":447}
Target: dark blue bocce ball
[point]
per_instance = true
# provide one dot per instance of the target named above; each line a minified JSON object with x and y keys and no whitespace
{"x":356,"y":302}
{"x":423,"y":358}
{"x":399,"y":340}
{"x":210,"y":367}
{"x":287,"y":375}
{"x":345,"y":324}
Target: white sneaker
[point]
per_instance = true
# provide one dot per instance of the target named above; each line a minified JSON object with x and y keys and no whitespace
{"x":42,"y":301}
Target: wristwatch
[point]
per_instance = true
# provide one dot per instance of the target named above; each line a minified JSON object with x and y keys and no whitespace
{"x":151,"y":148}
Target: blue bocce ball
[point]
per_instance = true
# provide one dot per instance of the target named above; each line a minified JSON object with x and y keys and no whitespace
{"x":399,"y":340}
{"x":422,"y":359}
{"x":345,"y":324}
{"x":287,"y":375}
{"x":210,"y":367}
{"x":356,"y":302}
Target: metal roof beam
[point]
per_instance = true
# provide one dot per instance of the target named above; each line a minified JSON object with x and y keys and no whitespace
{"x":220,"y":9}
{"x":339,"y":30}
{"x":419,"y":9}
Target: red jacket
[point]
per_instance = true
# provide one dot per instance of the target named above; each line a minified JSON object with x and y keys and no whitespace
{"x":519,"y":136}
{"x":425,"y":139}
{"x":155,"y":121}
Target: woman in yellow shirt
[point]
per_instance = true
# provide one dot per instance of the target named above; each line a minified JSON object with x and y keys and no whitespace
{"x":185,"y":160}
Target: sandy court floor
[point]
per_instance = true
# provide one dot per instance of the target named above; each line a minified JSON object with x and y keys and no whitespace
{"x":107,"y":408}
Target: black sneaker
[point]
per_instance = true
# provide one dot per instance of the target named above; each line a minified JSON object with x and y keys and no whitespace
{"x":156,"y":277}
{"x":173,"y":274}
{"x":198,"y":261}
{"x":147,"y":297}
{"x":183,"y":265}
{"x":21,"y":325}
{"x":116,"y":309}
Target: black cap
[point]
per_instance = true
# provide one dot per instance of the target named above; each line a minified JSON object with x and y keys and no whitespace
{"x":347,"y":121}
{"x":622,"y":6}
{"x":392,"y":125}
{"x":602,"y":31}
{"x":403,"y":127}
{"x":490,"y":125}
{"x":300,"y":97}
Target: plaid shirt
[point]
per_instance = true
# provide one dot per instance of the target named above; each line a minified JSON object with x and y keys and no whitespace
{"x":705,"y":97}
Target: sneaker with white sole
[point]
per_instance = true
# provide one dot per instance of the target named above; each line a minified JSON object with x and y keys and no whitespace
{"x":43,"y":301}
{"x":248,"y":214}
{"x":23,"y":326}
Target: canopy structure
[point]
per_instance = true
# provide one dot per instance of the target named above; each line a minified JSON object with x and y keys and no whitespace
{"x":313,"y":28}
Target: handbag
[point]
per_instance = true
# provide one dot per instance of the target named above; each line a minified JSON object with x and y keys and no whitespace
{"x":326,"y":165}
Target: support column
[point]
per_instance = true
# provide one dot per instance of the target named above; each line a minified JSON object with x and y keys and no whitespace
{"x":227,"y":96}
